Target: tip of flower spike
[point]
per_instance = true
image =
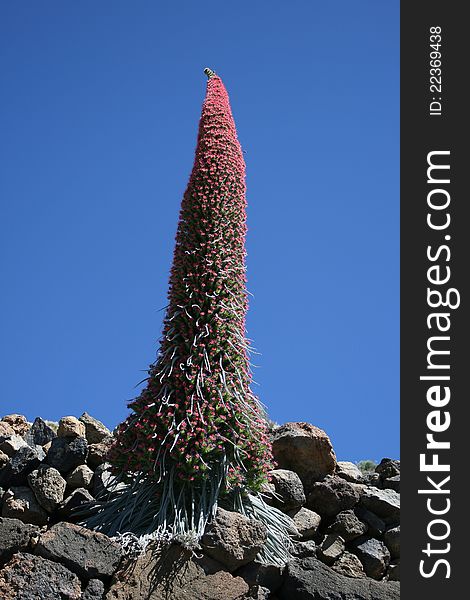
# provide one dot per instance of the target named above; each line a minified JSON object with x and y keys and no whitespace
{"x":209,"y":72}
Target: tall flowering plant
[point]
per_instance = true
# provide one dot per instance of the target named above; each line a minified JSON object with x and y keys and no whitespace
{"x":197,"y":434}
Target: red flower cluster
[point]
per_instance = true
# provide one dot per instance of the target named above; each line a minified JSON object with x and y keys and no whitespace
{"x":198,"y":411}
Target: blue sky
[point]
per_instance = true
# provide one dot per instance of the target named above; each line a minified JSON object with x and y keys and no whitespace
{"x":99,"y":113}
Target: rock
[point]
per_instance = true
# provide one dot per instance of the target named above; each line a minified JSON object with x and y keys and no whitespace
{"x":392,"y":541}
{"x":94,"y":590}
{"x":348,"y":526}
{"x":232,"y":539}
{"x":40,"y":433}
{"x":332,"y":495}
{"x":388,"y":468}
{"x":95,"y":431}
{"x":48,"y":486}
{"x":29,"y":577}
{"x":393,"y":573}
{"x":104,"y":480}
{"x":71,"y":427}
{"x":78,"y":497}
{"x":3,"y":459}
{"x":18,"y":423}
{"x":25,"y":460}
{"x":384,"y":503}
{"x":10,"y":444}
{"x":257,"y":592}
{"x":348,"y":564}
{"x":392,"y":483}
{"x":372,"y":479}
{"x":98,"y":453}
{"x":80,"y":477}
{"x":376,"y":526}
{"x":172,"y":574}
{"x":20,"y":503}
{"x":15,"y":536}
{"x":304,"y":449}
{"x":331,"y":548}
{"x":309,"y":579}
{"x":304,"y":549}
{"x":6,"y":430}
{"x":87,"y":553}
{"x":66,"y":454}
{"x":289,"y":489}
{"x":349,"y":471}
{"x":266,"y":576}
{"x":306,"y":522}
{"x":373,"y":555}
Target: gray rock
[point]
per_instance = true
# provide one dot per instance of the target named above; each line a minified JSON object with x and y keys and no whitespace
{"x":332,"y":495}
{"x":392,"y":483}
{"x":376,"y":526}
{"x":393,"y":573}
{"x":40,"y":433}
{"x":67,"y":453}
{"x":384,"y":503}
{"x":4,"y":458}
{"x":98,"y":453}
{"x":331,"y":548}
{"x":304,"y":549}
{"x":288,"y":488}
{"x":10,"y":444}
{"x":16,"y":471}
{"x":68,"y":507}
{"x":373,"y":555}
{"x":266,"y":576}
{"x":392,"y":541}
{"x":94,"y":590}
{"x":15,"y":536}
{"x":48,"y":486}
{"x":388,"y":468}
{"x":349,"y":565}
{"x":80,"y":477}
{"x":96,"y":432}
{"x":20,"y":503}
{"x":304,"y":449}
{"x":349,"y":471}
{"x":348,"y":526}
{"x":104,"y":481}
{"x":309,"y":579}
{"x":29,"y":577}
{"x":232,"y":539}
{"x":306,"y":522}
{"x":372,"y":479}
{"x":87,"y":553}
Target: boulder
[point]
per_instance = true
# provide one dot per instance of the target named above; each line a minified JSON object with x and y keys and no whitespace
{"x":304,"y":449}
{"x":349,"y":471}
{"x":87,"y":553}
{"x":3,"y":459}
{"x":288,"y":489}
{"x":6,"y":430}
{"x":372,"y":479}
{"x":306,"y":522}
{"x":348,"y":564}
{"x":392,"y":541}
{"x":388,"y":468}
{"x":95,"y":431}
{"x":15,"y":536}
{"x":48,"y":486}
{"x":80,"y":477}
{"x":347,"y":525}
{"x":37,"y":578}
{"x":98,"y":453}
{"x":304,"y":549}
{"x":265,"y":576}
{"x":331,"y":548}
{"x":375,"y":525}
{"x":67,"y":508}
{"x":384,"y":503}
{"x":392,"y":483}
{"x":94,"y":590}
{"x":67,"y":453}
{"x":332,"y":495}
{"x":20,"y":503}
{"x":232,"y":539}
{"x":71,"y":427}
{"x":10,"y":444}
{"x":25,"y":460}
{"x":40,"y":433}
{"x":373,"y":555}
{"x":310,"y":579}
{"x":18,"y":423}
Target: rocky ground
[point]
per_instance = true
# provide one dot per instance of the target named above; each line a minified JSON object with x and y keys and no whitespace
{"x":348,"y":523}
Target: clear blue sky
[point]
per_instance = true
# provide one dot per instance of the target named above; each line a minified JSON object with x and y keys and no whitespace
{"x":99,"y":111}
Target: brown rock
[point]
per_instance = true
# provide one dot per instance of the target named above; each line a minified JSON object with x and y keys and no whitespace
{"x":96,"y":432}
{"x":18,"y":423}
{"x":333,"y":495}
{"x":232,"y":539}
{"x":3,"y":459}
{"x":348,"y":564}
{"x":331,"y":548}
{"x":71,"y":427}
{"x":20,"y":503}
{"x":6,"y":429}
{"x":28,"y":577}
{"x":306,"y":522}
{"x":80,"y":477}
{"x":98,"y":453}
{"x":305,"y":449}
{"x":289,"y":491}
